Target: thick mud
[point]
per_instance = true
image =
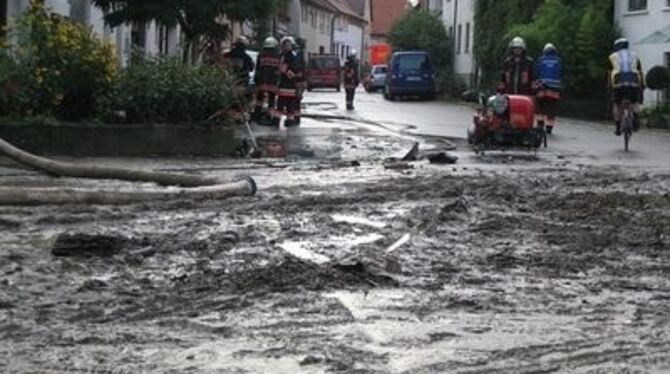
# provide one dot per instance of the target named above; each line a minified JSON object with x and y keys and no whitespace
{"x":534,"y":268}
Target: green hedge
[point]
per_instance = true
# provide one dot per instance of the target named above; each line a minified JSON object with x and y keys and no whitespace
{"x":167,"y":91}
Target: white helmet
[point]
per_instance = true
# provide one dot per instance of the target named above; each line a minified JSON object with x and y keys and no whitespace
{"x":517,"y":42}
{"x":242,"y":40}
{"x":270,"y":43}
{"x":287,"y":39}
{"x":549,"y":48}
{"x":352,"y":53}
{"x":621,"y":43}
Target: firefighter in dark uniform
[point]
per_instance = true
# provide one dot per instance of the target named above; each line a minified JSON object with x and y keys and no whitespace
{"x":241,"y":64}
{"x":287,"y":96}
{"x":301,"y":76}
{"x":351,"y":78}
{"x":267,"y":75}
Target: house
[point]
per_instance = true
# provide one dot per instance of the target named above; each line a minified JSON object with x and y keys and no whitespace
{"x":384,"y":14}
{"x":458,"y":17}
{"x":348,"y":30}
{"x":364,"y":9}
{"x":312,"y":20}
{"x":152,"y":38}
{"x":646,"y":24}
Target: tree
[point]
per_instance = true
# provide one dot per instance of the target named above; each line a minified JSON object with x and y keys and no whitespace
{"x":582,"y":30}
{"x":198,"y":19}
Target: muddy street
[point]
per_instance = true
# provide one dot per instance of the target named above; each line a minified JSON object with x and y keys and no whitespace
{"x":514,"y":263}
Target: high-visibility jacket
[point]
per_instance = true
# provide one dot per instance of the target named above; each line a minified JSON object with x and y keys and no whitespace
{"x":518,"y":76}
{"x":267,"y":71}
{"x":350,"y":74}
{"x":626,"y":69}
{"x":550,"y":70}
{"x":288,"y":72}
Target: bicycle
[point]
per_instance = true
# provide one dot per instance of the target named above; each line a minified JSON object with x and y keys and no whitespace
{"x":627,"y":122}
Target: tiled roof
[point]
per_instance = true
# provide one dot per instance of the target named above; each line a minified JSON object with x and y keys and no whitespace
{"x":385,"y":13}
{"x":344,"y":7}
{"x":323,"y":4}
{"x":358,"y":6}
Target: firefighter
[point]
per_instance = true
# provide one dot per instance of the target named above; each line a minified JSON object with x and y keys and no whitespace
{"x":518,"y":76}
{"x":241,"y":64}
{"x":287,"y":90}
{"x":549,"y":75}
{"x":267,"y":74}
{"x":301,"y":76}
{"x":351,"y":78}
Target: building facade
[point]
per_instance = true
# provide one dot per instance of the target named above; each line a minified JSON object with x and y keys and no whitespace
{"x":458,"y":17}
{"x":152,"y":38}
{"x":348,"y":30}
{"x":646,"y":24}
{"x":312,"y":20}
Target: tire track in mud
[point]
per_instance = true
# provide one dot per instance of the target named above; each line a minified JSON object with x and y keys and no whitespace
{"x":507,"y":271}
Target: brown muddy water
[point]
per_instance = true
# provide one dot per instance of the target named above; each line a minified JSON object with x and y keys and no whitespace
{"x":531,"y":267}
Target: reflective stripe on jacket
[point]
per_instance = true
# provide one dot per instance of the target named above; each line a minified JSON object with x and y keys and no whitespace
{"x":626,"y":69}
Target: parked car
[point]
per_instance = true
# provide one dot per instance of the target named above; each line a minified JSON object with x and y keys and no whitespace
{"x":324,"y":71}
{"x":377,"y":78}
{"x":410,"y":73}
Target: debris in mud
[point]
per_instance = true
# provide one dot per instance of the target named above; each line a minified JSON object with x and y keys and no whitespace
{"x":86,"y":245}
{"x":9,"y":224}
{"x":442,"y":158}
{"x":413,"y":153}
{"x":311,"y":360}
{"x":398,"y":166}
{"x":293,"y":273}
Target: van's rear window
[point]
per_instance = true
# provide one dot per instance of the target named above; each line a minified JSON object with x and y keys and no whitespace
{"x":412,"y":62}
{"x":324,"y":63}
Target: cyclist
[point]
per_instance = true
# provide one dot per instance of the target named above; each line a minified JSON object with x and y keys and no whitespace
{"x":627,"y":81}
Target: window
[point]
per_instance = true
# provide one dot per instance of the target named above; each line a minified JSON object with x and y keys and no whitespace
{"x":312,"y":18}
{"x":79,"y":10}
{"x":667,"y":63}
{"x":467,"y":37}
{"x":3,"y":17}
{"x":164,"y":40}
{"x":459,"y":41}
{"x":305,"y":14}
{"x":637,"y":5}
{"x":322,"y":23}
{"x":451,"y":31}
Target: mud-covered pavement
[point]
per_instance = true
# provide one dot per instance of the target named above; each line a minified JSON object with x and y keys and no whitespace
{"x":514,"y":264}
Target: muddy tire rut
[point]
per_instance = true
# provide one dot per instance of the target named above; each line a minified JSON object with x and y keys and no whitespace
{"x":551,"y":270}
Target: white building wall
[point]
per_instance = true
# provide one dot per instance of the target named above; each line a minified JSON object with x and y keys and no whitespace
{"x":458,"y":17}
{"x":119,"y":36}
{"x":316,"y":36}
{"x":638,"y":25}
{"x":350,"y":37}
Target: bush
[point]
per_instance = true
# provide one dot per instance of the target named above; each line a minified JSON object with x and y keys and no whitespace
{"x":658,"y":117}
{"x":582,"y":30}
{"x":57,"y":67}
{"x":166,"y":90}
{"x":658,"y":78}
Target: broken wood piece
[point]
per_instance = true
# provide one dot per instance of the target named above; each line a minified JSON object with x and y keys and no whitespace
{"x":413,"y":153}
{"x":399,"y":243}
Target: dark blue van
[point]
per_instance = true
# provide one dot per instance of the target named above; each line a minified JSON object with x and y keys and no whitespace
{"x":410,"y":73}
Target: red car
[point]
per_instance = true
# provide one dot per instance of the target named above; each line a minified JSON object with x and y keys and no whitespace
{"x":324,"y":71}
